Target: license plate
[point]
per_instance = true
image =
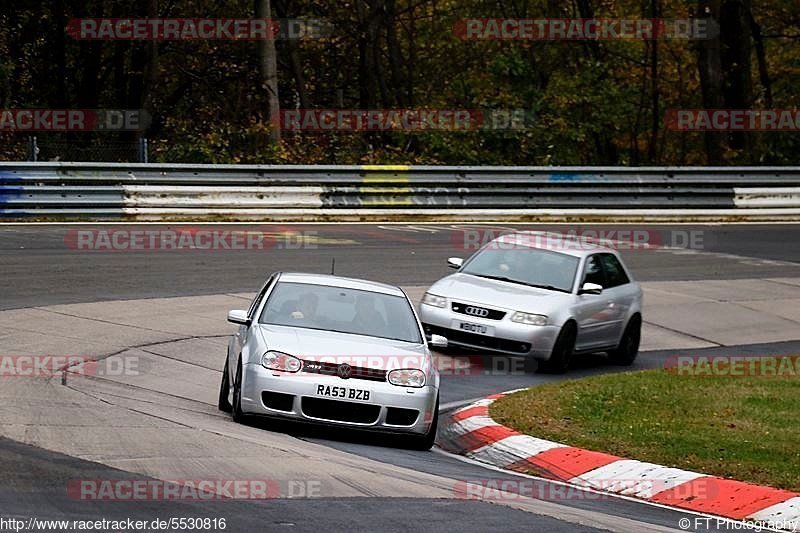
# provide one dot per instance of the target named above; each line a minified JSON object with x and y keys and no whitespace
{"x":480,"y":329}
{"x":343,"y":393}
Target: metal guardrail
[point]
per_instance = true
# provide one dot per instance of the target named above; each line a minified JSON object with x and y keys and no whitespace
{"x":89,"y":191}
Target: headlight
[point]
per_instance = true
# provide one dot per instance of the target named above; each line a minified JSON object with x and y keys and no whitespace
{"x":407,"y":377}
{"x":432,"y":299}
{"x":529,"y":318}
{"x":281,"y":361}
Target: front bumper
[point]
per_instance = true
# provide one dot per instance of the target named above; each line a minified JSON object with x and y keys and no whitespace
{"x":508,"y":337}
{"x":294,"y":396}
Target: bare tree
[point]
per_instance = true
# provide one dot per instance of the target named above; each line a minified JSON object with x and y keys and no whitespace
{"x":710,"y":66}
{"x":268,"y":67}
{"x":736,"y":60}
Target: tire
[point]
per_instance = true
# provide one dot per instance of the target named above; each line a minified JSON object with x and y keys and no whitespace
{"x":562,"y":352}
{"x":425,"y":442}
{"x":238,"y":416}
{"x":628,"y":348}
{"x":224,"y":389}
{"x":531,"y":365}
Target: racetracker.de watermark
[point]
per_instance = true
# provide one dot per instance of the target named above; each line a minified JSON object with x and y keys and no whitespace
{"x":412,"y":120}
{"x":623,"y":239}
{"x":576,"y":29}
{"x":187,"y":239}
{"x":733,"y":366}
{"x":360,"y":366}
{"x":191,"y":489}
{"x":46,"y":366}
{"x":197,"y":29}
{"x":601,"y":489}
{"x":733,"y":120}
{"x":68,"y":120}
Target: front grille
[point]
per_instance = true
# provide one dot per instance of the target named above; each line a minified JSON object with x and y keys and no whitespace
{"x":278,"y":400}
{"x":395,"y":416}
{"x":339,"y":411}
{"x":494,"y":343}
{"x":330,"y":369}
{"x":477,"y":312}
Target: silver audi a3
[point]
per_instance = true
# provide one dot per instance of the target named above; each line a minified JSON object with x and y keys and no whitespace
{"x":539,"y":296}
{"x":335,"y":351}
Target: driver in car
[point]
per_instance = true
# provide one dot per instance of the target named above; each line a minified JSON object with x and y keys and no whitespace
{"x":304,"y":308}
{"x":512,"y":265}
{"x":367,"y":318}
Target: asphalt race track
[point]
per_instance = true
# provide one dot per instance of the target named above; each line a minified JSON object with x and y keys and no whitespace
{"x":368,"y":483}
{"x":40,"y":267}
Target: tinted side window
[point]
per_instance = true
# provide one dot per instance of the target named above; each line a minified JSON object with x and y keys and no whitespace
{"x":615,"y":274}
{"x":594,"y":271}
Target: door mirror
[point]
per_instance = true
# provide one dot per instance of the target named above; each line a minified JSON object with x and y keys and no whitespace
{"x":455,"y":262}
{"x":437,"y":341}
{"x":237,"y":316}
{"x":591,"y":288}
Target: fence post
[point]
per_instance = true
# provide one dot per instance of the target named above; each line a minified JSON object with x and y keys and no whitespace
{"x":33,"y":149}
{"x":143,"y":155}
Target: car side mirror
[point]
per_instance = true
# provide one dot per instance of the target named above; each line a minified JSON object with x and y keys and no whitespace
{"x":437,"y":341}
{"x":237,"y":316}
{"x":455,"y":262}
{"x":591,"y":288}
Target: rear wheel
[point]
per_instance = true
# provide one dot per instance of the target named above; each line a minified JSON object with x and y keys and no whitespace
{"x":628,"y":348}
{"x":426,"y":441}
{"x":224,"y":390}
{"x":562,"y":352}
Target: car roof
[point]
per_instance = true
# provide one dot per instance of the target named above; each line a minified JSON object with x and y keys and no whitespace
{"x":556,"y":242}
{"x":338,"y":281}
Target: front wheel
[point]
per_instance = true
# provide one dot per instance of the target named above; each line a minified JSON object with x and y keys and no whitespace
{"x":426,"y":441}
{"x":628,"y":348}
{"x":224,"y":390}
{"x":238,"y":414}
{"x":562,"y":352}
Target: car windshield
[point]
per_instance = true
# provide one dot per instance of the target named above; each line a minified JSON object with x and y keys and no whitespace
{"x":343,"y":310}
{"x":526,"y":266}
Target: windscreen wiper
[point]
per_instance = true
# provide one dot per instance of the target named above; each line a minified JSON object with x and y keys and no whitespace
{"x":509,"y":280}
{"x":548,"y":287}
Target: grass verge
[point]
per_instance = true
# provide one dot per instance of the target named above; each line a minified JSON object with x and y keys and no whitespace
{"x":745,"y":428}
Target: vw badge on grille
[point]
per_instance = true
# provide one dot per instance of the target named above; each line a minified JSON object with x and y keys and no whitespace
{"x":344,"y":371}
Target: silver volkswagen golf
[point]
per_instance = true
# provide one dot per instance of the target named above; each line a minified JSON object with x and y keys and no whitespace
{"x":336,"y":351}
{"x":539,"y":296}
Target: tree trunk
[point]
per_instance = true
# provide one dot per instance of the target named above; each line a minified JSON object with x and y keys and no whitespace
{"x":268,"y":68}
{"x":60,"y":50}
{"x":366,"y":80}
{"x":710,"y":66}
{"x":393,"y":49}
{"x":282,"y":10}
{"x":652,"y":149}
{"x":735,"y":56}
{"x":763,"y":73}
{"x":150,"y":75}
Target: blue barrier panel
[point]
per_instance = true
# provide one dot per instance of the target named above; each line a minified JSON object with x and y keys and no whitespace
{"x":8,"y":192}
